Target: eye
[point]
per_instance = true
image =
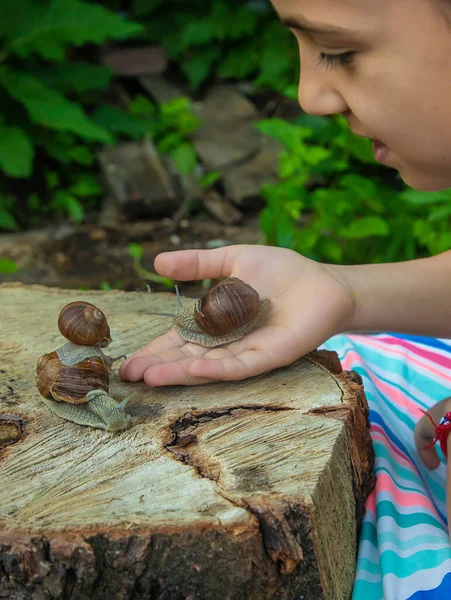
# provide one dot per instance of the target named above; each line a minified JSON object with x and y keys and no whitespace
{"x":336,"y":60}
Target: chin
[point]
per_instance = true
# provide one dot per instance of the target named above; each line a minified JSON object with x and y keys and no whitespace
{"x":426,"y":183}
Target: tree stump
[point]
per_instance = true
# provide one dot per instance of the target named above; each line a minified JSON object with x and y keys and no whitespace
{"x":240,"y":490}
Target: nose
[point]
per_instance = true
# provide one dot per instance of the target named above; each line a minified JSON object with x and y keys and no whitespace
{"x":317,"y":94}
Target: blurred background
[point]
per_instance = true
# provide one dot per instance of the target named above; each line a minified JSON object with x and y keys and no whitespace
{"x":132,"y":127}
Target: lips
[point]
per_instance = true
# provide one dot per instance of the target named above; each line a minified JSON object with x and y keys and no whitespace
{"x":380,"y":151}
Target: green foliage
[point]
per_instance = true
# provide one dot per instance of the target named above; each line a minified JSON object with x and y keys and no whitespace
{"x":136,"y":252}
{"x":170,"y":126}
{"x":223,"y":39}
{"x":46,"y":99}
{"x":349,"y":217}
{"x":51,"y":108}
{"x":7,"y":266}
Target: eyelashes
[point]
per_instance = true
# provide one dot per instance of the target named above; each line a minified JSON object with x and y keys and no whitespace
{"x":331,"y":61}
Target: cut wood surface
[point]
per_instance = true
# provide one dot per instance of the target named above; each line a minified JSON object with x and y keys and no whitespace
{"x":234,"y":490}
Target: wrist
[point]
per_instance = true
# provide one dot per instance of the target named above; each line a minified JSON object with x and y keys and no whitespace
{"x":406,"y":297}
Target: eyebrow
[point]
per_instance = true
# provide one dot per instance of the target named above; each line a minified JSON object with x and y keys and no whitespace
{"x":307,"y":27}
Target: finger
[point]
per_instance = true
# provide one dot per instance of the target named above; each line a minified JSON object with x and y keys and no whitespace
{"x":184,"y":265}
{"x":424,"y":433}
{"x":138,"y":364}
{"x":448,"y":484}
{"x":173,"y":369}
{"x":424,"y":438}
{"x":171,"y":339}
{"x":175,"y":373}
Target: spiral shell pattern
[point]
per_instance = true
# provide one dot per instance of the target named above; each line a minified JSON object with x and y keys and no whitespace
{"x":84,"y":324}
{"x":227,"y":307}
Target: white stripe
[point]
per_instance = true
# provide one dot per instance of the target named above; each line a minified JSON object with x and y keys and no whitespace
{"x":396,"y":588}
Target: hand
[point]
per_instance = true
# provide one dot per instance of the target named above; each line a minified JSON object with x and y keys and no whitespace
{"x":424,"y":433}
{"x":309,"y":303}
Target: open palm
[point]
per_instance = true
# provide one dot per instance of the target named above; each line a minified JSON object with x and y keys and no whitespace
{"x":308,"y":305}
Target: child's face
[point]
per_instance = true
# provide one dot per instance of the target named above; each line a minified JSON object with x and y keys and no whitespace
{"x":395,"y":86}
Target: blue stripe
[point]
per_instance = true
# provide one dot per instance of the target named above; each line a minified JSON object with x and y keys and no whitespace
{"x":425,"y":341}
{"x":442,"y":592}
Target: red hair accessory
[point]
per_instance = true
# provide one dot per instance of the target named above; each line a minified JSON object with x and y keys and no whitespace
{"x":442,"y":430}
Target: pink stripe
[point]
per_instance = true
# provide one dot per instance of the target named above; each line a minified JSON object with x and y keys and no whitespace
{"x":435,"y":357}
{"x":396,"y":396}
{"x":393,"y":394}
{"x":370,"y":503}
{"x":378,"y":433}
{"x":384,"y":483}
{"x":440,"y":374}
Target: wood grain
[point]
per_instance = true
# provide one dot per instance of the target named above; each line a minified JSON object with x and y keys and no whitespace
{"x":240,"y":490}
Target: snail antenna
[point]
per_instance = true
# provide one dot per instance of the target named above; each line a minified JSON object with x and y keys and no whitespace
{"x":179,"y":302}
{"x":123,"y":404}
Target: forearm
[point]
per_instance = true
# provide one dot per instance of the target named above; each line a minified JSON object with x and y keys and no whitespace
{"x":409,"y":297}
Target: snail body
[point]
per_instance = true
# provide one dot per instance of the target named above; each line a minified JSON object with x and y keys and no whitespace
{"x":73,"y":380}
{"x":100,"y":411}
{"x":225,"y":314}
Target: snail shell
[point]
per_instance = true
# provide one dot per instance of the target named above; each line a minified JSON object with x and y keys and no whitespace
{"x":70,"y":383}
{"x":84,"y":324}
{"x":74,"y":380}
{"x":227,"y":313}
{"x":226,"y":307}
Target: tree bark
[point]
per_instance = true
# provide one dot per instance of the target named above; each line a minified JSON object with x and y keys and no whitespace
{"x":240,"y":490}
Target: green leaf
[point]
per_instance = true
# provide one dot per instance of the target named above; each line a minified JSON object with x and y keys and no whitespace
{"x":60,"y":23}
{"x":63,"y":200}
{"x":142,"y":106}
{"x":185,"y":158}
{"x":85,"y":186}
{"x":198,"y":33}
{"x":169,"y":143}
{"x":286,"y":133}
{"x":16,"y":152}
{"x":7,"y":266}
{"x":365,"y":227}
{"x":52,"y":179}
{"x":198,"y":66}
{"x":119,"y":121}
{"x":7,"y":221}
{"x":240,"y":62}
{"x":33,"y":202}
{"x":419,"y":198}
{"x":49,"y":108}
{"x":135,"y":251}
{"x":74,"y":76}
{"x":82,"y":155}
{"x":144,"y":7}
{"x":314,"y":124}
{"x":441,"y":213}
{"x":330,"y":250}
{"x":209,"y":179}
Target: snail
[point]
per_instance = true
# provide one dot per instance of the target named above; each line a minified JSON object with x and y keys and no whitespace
{"x":84,"y":324}
{"x":74,"y":379}
{"x":226,"y":313}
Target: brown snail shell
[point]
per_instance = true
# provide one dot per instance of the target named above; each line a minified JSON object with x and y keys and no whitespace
{"x":226,"y":307}
{"x":70,"y":383}
{"x":84,"y":324}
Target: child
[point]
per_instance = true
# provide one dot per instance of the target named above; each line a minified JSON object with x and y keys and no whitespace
{"x":386,"y":66}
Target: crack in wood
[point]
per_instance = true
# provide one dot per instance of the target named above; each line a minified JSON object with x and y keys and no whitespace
{"x":278,"y":538}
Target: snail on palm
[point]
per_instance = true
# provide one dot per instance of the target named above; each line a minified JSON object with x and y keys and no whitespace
{"x":74,"y":379}
{"x":225,"y":314}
